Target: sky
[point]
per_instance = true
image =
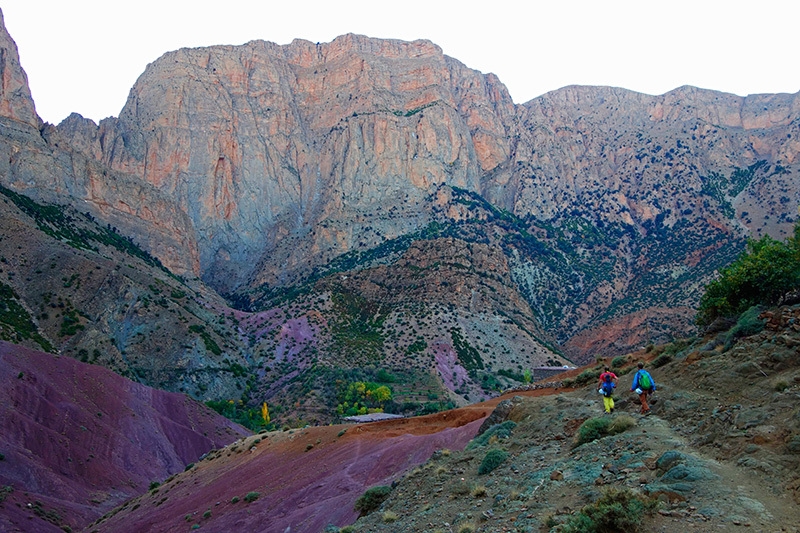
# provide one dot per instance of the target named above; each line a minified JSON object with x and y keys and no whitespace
{"x":85,"y":55}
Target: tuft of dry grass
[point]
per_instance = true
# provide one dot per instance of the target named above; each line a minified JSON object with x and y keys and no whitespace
{"x":389,"y":517}
{"x":479,"y":491}
{"x":466,"y":527}
{"x":621,"y":423}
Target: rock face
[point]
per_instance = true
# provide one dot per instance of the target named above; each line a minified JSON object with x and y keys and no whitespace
{"x":15,"y":95}
{"x":290,"y":155}
{"x":629,"y":158}
{"x":39,"y":161}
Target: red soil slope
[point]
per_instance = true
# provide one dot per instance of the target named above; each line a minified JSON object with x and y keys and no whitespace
{"x":305,"y":479}
{"x":78,"y":440}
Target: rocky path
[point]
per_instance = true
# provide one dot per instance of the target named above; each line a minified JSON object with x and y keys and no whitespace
{"x":718,"y":453}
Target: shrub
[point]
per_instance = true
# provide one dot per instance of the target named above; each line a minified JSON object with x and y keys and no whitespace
{"x":748,"y":323}
{"x":492,"y":460}
{"x":662,"y":360}
{"x":154,"y":485}
{"x":235,"y":499}
{"x":207,"y":515}
{"x":372,"y":499}
{"x":188,"y":467}
{"x":597,"y":428}
{"x":347,"y":529}
{"x":615,"y":510}
{"x":762,"y":274}
{"x":619,"y":361}
{"x":592,"y":429}
{"x":2,"y":457}
{"x":587,"y":376}
{"x":389,"y":517}
{"x":781,"y":386}
{"x":251,"y":497}
{"x":499,"y":431}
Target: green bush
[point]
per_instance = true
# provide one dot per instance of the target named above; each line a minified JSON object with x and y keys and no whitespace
{"x":749,"y":323}
{"x":372,"y":499}
{"x":492,"y":460}
{"x":662,"y":360}
{"x":615,"y":510}
{"x":251,"y":497}
{"x":597,"y":428}
{"x":592,"y":429}
{"x":619,"y":361}
{"x":501,"y":431}
{"x":761,"y":275}
{"x":587,"y":376}
{"x":154,"y":485}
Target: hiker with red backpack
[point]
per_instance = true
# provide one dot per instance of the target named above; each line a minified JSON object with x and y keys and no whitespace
{"x":608,"y":381}
{"x":644,"y":385}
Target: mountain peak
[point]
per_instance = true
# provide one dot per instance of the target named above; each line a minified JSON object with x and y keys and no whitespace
{"x":16,"y":102}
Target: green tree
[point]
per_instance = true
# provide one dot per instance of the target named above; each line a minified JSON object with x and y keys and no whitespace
{"x":362,"y":397}
{"x":761,"y":275}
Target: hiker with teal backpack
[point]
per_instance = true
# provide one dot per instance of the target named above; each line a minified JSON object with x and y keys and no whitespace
{"x":608,"y":382}
{"x":644,"y":385}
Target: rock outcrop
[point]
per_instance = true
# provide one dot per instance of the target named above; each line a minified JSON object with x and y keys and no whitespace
{"x":16,"y":102}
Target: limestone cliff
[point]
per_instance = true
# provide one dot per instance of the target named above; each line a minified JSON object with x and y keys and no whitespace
{"x":285,"y":156}
{"x":15,"y":95}
{"x":38,"y":160}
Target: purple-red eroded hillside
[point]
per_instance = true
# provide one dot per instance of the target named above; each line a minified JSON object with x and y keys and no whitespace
{"x":299,"y":480}
{"x":77,"y":440}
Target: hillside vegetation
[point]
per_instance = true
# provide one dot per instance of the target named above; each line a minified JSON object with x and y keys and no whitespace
{"x":721,"y":449}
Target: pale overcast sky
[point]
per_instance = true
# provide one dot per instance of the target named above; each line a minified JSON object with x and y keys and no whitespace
{"x":84,"y":55}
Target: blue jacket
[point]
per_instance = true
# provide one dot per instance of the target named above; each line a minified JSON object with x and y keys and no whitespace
{"x":635,"y":384}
